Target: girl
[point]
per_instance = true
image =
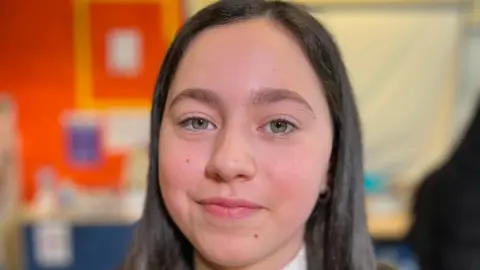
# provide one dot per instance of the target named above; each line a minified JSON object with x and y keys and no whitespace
{"x":255,"y":154}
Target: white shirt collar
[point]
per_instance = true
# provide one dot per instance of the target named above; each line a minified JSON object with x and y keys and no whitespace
{"x":299,"y":262}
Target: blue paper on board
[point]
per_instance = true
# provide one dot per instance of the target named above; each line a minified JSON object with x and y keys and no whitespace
{"x":84,"y":145}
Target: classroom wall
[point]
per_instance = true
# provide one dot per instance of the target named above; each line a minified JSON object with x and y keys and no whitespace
{"x":53,"y":61}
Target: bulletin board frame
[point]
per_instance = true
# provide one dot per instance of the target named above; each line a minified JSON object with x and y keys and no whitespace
{"x":171,"y":11}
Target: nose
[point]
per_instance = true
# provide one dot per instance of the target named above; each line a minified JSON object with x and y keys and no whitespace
{"x":231,"y":159}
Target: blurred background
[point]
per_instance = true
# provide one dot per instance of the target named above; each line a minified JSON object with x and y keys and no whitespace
{"x":76,"y":79}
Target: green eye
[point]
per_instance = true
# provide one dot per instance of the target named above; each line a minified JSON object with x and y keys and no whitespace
{"x":197,"y":124}
{"x":280,"y":127}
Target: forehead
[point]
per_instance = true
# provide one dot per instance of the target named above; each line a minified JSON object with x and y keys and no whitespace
{"x":244,"y":56}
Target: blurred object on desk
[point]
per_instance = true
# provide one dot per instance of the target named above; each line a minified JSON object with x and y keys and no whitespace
{"x":135,"y":180}
{"x":67,"y":193}
{"x":375,"y":184}
{"x":8,"y":153}
{"x":45,"y":199}
{"x":391,"y":227}
{"x":386,"y":207}
{"x":9,"y":183}
{"x":87,"y":206}
{"x":52,"y":242}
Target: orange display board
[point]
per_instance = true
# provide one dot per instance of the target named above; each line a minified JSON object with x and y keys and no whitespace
{"x":142,"y":19}
{"x":52,"y":60}
{"x":155,"y":21}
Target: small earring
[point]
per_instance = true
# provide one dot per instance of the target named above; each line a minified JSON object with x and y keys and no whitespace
{"x":325,"y":197}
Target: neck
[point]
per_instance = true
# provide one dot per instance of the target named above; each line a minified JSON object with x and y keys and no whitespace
{"x":296,"y":262}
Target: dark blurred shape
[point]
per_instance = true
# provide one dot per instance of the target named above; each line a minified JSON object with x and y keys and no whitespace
{"x":446,"y":230}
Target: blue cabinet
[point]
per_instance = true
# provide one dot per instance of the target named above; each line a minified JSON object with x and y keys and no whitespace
{"x":95,"y":247}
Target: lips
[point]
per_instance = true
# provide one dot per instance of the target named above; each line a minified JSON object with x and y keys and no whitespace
{"x":228,"y":208}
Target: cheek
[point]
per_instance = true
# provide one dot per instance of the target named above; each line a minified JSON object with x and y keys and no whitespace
{"x":296,"y":180}
{"x":181,"y":171}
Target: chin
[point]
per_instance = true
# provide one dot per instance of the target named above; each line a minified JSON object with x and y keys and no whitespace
{"x":230,"y":253}
{"x":230,"y":259}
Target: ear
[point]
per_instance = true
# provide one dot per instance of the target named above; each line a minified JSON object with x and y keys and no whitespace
{"x":325,"y":196}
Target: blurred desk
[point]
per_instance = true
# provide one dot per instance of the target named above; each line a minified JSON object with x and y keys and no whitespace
{"x":73,"y":216}
{"x":391,"y":227}
{"x":389,"y":231}
{"x":97,"y":242}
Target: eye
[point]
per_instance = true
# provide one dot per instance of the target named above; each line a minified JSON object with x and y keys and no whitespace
{"x":280,"y":127}
{"x":197,"y":124}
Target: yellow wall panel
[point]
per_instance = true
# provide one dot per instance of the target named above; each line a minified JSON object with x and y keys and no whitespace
{"x":195,"y":5}
{"x":475,"y":16}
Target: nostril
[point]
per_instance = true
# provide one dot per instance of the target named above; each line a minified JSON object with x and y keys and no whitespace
{"x":213,"y":176}
{"x":224,"y":171}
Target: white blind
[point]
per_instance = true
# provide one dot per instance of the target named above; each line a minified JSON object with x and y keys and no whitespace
{"x":470,"y":80}
{"x":403,"y":66}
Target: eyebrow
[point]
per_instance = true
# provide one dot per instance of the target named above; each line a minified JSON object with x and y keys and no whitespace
{"x":274,"y":95}
{"x":263,"y":96}
{"x":202,"y":95}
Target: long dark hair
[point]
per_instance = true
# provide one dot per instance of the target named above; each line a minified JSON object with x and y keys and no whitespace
{"x":336,"y":233}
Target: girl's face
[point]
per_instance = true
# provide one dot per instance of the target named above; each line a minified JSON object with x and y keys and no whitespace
{"x":245,"y":145}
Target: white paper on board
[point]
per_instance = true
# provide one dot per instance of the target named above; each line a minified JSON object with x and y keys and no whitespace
{"x":53,"y":244}
{"x":126,"y":130}
{"x":124,"y":52}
